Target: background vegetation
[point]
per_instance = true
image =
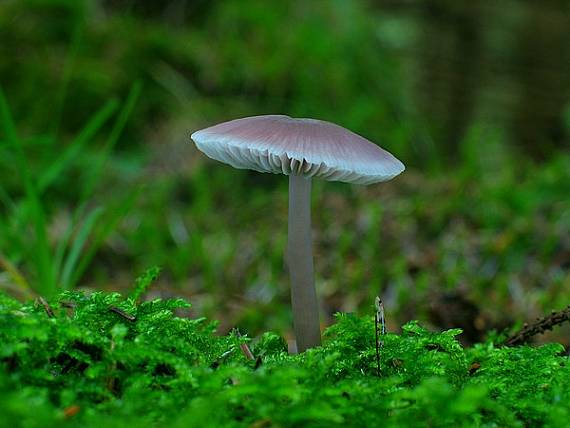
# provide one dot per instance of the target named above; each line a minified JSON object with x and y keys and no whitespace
{"x":99,"y":180}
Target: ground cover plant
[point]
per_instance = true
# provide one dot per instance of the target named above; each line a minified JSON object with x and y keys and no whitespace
{"x":103,"y":359}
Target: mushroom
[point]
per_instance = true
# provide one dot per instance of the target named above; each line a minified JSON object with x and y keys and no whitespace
{"x":301,"y":149}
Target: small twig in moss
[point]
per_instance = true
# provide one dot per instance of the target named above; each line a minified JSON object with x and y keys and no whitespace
{"x":68,"y":305}
{"x":245,"y":348}
{"x":122,"y":313}
{"x":246,"y":351}
{"x":538,"y":327}
{"x":47,"y":307}
{"x":71,"y":411}
{"x":258,"y":362}
{"x":380,"y":327}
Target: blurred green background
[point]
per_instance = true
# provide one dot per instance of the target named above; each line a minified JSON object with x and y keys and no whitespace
{"x":99,"y":179}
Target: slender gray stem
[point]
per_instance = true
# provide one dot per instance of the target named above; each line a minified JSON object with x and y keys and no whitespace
{"x":300,"y":261}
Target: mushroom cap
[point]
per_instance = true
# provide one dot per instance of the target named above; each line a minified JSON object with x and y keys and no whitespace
{"x":306,"y":147}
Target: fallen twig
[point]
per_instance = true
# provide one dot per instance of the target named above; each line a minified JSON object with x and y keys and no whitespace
{"x":538,"y":327}
{"x":245,"y":348}
{"x":122,"y":313}
{"x":47,"y":307}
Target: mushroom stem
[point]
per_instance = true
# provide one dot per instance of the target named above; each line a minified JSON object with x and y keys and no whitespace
{"x":300,"y":261}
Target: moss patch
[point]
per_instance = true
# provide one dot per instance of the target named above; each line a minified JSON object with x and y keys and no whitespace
{"x":105,"y":360}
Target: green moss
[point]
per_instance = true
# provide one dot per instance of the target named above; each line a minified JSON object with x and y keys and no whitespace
{"x":103,"y":360}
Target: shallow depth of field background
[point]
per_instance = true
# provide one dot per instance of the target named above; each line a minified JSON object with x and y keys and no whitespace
{"x":99,"y":179}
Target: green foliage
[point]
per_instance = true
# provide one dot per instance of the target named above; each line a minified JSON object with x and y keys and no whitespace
{"x":232,"y":59}
{"x":143,"y":282}
{"x":50,"y":266}
{"x":103,"y":360}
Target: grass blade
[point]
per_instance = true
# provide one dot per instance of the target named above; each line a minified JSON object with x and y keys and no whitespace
{"x":78,"y":244}
{"x":65,"y":239}
{"x":41,"y":254}
{"x":119,"y":126}
{"x":88,"y":132}
{"x":17,"y":277}
{"x":74,"y":48}
{"x":105,"y":229}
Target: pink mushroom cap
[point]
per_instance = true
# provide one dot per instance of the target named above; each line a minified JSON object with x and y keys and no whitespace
{"x":306,"y":147}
